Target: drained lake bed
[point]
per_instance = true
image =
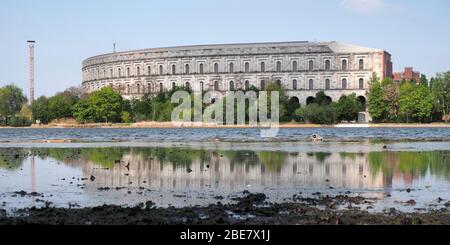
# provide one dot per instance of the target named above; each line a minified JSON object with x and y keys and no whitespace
{"x":411,"y":177}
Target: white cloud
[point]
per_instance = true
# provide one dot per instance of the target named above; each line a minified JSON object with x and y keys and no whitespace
{"x":364,"y":6}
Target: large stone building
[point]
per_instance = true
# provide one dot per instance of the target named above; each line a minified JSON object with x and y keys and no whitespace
{"x":302,"y":68}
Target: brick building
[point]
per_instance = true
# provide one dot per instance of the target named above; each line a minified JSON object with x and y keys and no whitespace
{"x":407,"y":75}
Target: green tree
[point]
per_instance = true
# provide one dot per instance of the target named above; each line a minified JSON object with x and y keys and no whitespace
{"x":322,"y":99}
{"x":292,"y":105}
{"x":61,"y":106}
{"x":11,"y":101}
{"x":105,"y":105}
{"x":347,"y":108}
{"x":423,"y":79}
{"x":271,"y":87}
{"x":378,"y":106}
{"x":391,"y":92}
{"x":314,"y":113}
{"x":142,"y":108}
{"x":83,"y":112}
{"x":416,"y":102}
{"x":440,"y":87}
{"x":40,"y":111}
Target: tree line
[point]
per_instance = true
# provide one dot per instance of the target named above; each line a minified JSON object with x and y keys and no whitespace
{"x":388,"y":101}
{"x":410,"y":101}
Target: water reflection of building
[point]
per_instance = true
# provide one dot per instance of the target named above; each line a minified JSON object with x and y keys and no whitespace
{"x":223,"y":172}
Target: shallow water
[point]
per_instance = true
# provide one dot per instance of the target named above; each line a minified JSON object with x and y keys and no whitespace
{"x":235,"y":134}
{"x":179,"y":175}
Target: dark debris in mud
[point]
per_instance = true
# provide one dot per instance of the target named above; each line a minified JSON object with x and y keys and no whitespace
{"x":250,"y":209}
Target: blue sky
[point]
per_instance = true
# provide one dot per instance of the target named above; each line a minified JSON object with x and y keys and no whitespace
{"x":415,"y":32}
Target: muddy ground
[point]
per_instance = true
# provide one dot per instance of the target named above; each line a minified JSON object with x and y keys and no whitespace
{"x":251,"y":209}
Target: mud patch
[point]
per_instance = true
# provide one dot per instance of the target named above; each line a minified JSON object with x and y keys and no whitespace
{"x":247,"y":211}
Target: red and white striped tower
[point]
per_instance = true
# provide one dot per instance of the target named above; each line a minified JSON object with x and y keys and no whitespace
{"x":31,"y":70}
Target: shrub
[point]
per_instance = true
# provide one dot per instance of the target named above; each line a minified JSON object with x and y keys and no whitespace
{"x":315,"y":113}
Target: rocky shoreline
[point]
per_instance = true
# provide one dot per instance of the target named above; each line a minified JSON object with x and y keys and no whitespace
{"x":251,"y":209}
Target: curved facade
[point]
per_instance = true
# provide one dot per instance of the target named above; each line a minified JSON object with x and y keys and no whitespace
{"x":302,"y":68}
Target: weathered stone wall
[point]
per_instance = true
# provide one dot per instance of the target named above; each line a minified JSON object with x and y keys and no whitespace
{"x":136,"y":73}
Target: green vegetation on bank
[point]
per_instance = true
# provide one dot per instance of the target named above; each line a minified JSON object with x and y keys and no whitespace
{"x":408,"y":101}
{"x":388,"y":102}
{"x":323,"y":111}
{"x":13,"y":108}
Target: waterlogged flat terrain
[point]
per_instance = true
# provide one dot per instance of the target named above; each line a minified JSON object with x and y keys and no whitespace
{"x":224,"y":134}
{"x":410,"y":181}
{"x":231,"y":176}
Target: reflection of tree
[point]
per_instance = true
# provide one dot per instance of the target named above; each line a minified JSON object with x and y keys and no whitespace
{"x":69,"y":156}
{"x":105,"y":157}
{"x":273,"y":161}
{"x":319,"y":156}
{"x":410,"y":163}
{"x":242,"y":157}
{"x":177,"y":157}
{"x":349,"y":155}
{"x":12,"y":158}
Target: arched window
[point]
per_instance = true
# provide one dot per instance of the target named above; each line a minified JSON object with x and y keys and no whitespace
{"x":231,"y":68}
{"x":149,"y":88}
{"x":263,"y":67}
{"x":128,"y":71}
{"x":149,"y":70}
{"x":111,"y":73}
{"x":161,"y":70}
{"x":247,"y":67}
{"x":278,"y":66}
{"x":231,"y":86}
{"x":327,"y":84}
{"x":216,"y":68}
{"x":119,"y":72}
{"x":104,"y":73}
{"x":295,"y":66}
{"x":247,"y":85}
{"x":174,"y":85}
{"x":216,"y":85}
{"x":187,"y":85}
{"x":174,"y":69}
{"x":138,"y":71}
{"x":279,"y":83}
{"x":327,"y":65}
{"x":344,"y":65}
{"x":361,"y":83}
{"x":361,"y":64}
{"x":201,"y":86}
{"x":263,"y":85}
{"x":161,"y":87}
{"x":201,"y":68}
{"x":344,"y":83}
{"x":128,"y":88}
{"x":294,"y":84}
{"x":311,"y":84}
{"x":186,"y":69}
{"x":311,"y":65}
{"x":138,"y":88}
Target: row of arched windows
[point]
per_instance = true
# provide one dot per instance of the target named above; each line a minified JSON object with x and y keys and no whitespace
{"x":262,"y":68}
{"x":310,"y":85}
{"x":344,"y":84}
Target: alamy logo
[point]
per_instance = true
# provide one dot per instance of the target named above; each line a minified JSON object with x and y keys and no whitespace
{"x":235,"y":108}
